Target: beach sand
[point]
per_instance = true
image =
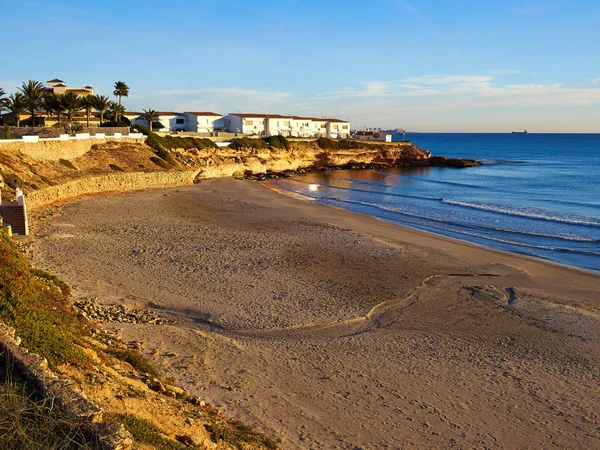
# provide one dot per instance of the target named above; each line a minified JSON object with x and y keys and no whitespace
{"x":329,"y":329}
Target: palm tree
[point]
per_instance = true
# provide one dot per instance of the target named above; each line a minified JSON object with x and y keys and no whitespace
{"x":116,"y":110}
{"x":88,"y":105}
{"x":121,"y":90}
{"x":51,"y":104}
{"x":101,"y":104}
{"x":2,"y":100}
{"x":150,"y":116}
{"x":71,"y":104}
{"x":33,"y":92}
{"x":17,"y":104}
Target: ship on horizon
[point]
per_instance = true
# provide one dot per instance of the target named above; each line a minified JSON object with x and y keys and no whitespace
{"x":520,"y":132}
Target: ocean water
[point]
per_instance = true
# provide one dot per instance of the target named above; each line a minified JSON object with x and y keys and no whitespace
{"x":536,"y":194}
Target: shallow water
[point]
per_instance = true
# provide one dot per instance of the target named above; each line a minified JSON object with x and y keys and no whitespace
{"x":537,"y":194}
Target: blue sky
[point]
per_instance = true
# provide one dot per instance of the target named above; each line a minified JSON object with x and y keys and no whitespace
{"x":427,"y":65}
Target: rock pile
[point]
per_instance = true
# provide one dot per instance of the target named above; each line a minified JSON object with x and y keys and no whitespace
{"x":96,"y":312}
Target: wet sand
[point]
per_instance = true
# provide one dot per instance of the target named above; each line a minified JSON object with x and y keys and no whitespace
{"x":329,"y":329}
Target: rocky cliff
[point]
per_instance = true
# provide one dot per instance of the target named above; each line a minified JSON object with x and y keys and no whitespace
{"x":61,"y":171}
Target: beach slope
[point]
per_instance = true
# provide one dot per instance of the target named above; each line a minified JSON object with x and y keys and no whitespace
{"x":330,"y":329}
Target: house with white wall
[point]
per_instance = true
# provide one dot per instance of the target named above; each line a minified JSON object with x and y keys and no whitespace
{"x":170,"y":121}
{"x":132,"y":116}
{"x":276,"y":124}
{"x":204,"y":121}
{"x":372,"y":135}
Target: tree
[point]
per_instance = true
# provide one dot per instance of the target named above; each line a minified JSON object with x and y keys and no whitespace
{"x":88,"y":105}
{"x":71,"y":104}
{"x":121,"y":90}
{"x":101,"y":104}
{"x":16,"y":104}
{"x":33,"y":92}
{"x":150,"y":116}
{"x":51,"y":104}
{"x":116,"y":110}
{"x":2,"y":100}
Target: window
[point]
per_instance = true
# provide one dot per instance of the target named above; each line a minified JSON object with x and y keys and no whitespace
{"x":344,"y":127}
{"x":179,"y":121}
{"x":248,"y":122}
{"x":336,"y":127}
{"x":323,"y":125}
{"x":286,"y":123}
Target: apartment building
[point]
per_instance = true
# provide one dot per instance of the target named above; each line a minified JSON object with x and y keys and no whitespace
{"x":294,"y":126}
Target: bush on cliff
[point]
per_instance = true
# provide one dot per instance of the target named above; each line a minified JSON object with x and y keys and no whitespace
{"x":342,"y":144}
{"x":36,"y":304}
{"x":141,"y":129}
{"x":277,"y":142}
{"x":261,"y":144}
{"x":246,"y":142}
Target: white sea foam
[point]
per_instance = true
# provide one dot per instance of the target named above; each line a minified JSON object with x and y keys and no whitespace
{"x":529,"y":213}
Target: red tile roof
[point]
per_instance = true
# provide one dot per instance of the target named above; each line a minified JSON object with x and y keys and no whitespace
{"x":196,"y":113}
{"x":168,"y":113}
{"x":278,"y":116}
{"x":263,"y":116}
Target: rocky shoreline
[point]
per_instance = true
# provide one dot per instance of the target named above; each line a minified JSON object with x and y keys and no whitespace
{"x":432,"y":161}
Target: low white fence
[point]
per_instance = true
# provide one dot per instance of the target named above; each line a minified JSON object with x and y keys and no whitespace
{"x":78,"y":136}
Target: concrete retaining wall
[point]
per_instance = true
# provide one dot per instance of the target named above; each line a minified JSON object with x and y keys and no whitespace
{"x":53,"y":132}
{"x":109,"y":183}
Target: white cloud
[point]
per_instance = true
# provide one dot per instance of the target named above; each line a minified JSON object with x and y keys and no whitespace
{"x":450,"y":92}
{"x":595,"y":81}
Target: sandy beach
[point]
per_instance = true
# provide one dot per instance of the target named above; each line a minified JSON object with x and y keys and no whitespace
{"x":332,"y":330}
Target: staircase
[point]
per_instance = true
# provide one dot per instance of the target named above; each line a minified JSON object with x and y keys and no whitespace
{"x":13,"y":214}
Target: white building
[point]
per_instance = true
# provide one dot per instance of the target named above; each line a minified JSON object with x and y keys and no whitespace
{"x":170,"y":121}
{"x":275,"y":124}
{"x":372,"y":135}
{"x":132,"y":116}
{"x":204,"y":122}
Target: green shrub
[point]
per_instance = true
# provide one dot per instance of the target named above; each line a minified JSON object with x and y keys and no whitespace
{"x":141,"y":129}
{"x":136,"y":359}
{"x":342,"y":144}
{"x":39,"y":309}
{"x":123,"y":122}
{"x":247,"y":142}
{"x":145,"y":432}
{"x":277,"y":142}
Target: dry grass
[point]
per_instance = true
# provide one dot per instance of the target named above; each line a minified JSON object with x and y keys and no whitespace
{"x":28,"y":422}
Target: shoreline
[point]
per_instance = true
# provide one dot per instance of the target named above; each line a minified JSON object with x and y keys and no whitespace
{"x":234,"y":256}
{"x":300,"y":197}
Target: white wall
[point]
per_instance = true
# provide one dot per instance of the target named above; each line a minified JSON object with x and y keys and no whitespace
{"x":173,"y":125}
{"x":203,"y":124}
{"x":232,"y":123}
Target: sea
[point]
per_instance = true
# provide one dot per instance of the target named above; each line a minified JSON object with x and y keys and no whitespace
{"x":534,"y":194}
